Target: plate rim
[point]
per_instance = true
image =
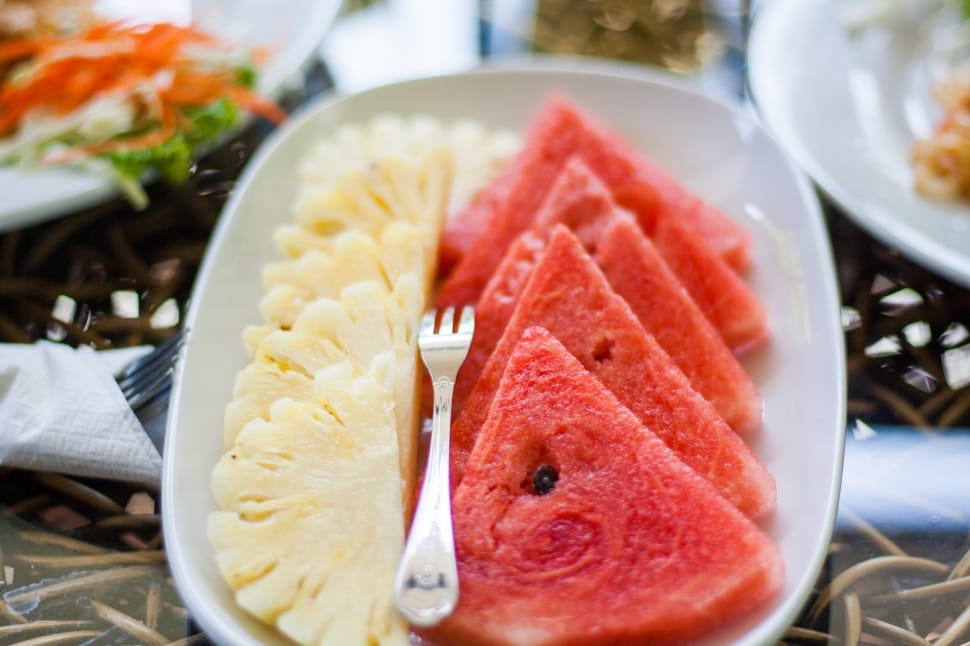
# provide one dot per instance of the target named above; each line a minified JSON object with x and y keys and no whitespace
{"x":783,"y":616}
{"x":875,"y":219}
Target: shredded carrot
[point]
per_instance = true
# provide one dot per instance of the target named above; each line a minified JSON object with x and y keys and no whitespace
{"x":16,"y":48}
{"x":257,"y":104}
{"x":63,"y":74}
{"x":195,"y":89}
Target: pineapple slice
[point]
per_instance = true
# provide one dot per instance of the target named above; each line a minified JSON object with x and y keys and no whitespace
{"x":258,"y":386}
{"x":365,"y":321}
{"x":382,"y":222}
{"x":292,"y":284}
{"x":479,"y":152}
{"x":397,"y":240}
{"x":253,"y":335}
{"x":327,"y":264}
{"x":389,"y":190}
{"x":312,"y":528}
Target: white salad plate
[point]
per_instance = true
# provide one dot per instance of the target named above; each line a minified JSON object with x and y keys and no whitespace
{"x":716,"y":149}
{"x":847,"y":106}
{"x":290,"y":31}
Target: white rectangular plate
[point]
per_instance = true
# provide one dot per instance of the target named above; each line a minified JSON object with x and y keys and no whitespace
{"x":716,"y":149}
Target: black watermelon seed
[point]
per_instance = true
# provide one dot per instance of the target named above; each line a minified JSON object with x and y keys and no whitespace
{"x":544,"y":479}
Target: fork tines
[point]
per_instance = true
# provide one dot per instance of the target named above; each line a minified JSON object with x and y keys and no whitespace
{"x":148,"y":378}
{"x":431,"y":324}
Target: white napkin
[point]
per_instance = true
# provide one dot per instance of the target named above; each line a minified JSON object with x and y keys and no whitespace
{"x":61,"y":410}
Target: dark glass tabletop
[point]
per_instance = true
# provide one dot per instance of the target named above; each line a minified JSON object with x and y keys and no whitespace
{"x":83,"y":560}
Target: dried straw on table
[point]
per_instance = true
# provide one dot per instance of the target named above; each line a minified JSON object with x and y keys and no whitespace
{"x":69,"y":572}
{"x":883,"y":584}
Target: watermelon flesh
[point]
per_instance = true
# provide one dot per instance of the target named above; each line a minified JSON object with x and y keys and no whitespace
{"x":464,"y":227}
{"x":581,"y":201}
{"x":630,"y":546}
{"x":505,"y":207}
{"x":502,"y":211}
{"x":640,"y":276}
{"x":720,"y":293}
{"x":493,"y":312}
{"x":637,"y":272}
{"x":569,"y":296}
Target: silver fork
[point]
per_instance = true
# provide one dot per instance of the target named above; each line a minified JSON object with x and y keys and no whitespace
{"x":426,"y":586}
{"x":147,"y":381}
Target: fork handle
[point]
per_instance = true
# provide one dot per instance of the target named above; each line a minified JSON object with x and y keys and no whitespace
{"x":426,"y":586}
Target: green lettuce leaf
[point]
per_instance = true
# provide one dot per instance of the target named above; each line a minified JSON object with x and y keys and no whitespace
{"x":209,"y":122}
{"x":173,"y":158}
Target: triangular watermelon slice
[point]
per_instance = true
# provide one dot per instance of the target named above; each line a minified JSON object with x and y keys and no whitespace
{"x":505,"y":207}
{"x":568,"y":295}
{"x":637,"y":273}
{"x":574,"y":524}
{"x":726,"y":300}
{"x":581,"y":201}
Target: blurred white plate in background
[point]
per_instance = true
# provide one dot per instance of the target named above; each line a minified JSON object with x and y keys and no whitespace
{"x":291,"y":30}
{"x":848,"y":110}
